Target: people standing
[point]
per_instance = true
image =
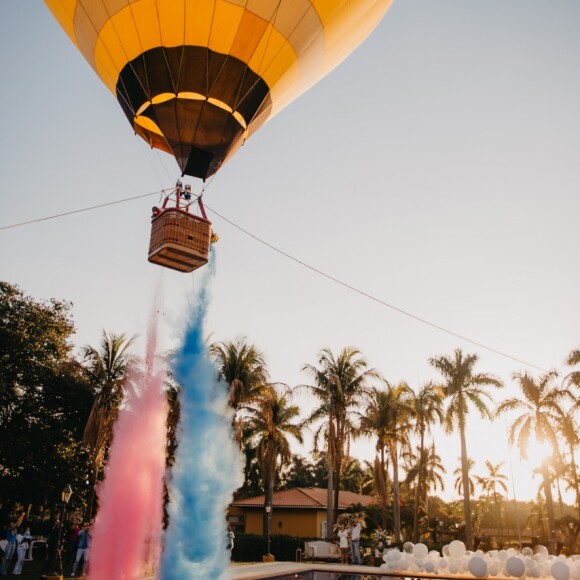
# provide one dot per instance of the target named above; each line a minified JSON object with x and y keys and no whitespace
{"x":71,"y":543}
{"x":22,"y":545}
{"x":82,"y":550}
{"x":355,"y":530}
{"x":53,"y":560}
{"x":230,"y":543}
{"x":343,"y":543}
{"x":10,"y":547}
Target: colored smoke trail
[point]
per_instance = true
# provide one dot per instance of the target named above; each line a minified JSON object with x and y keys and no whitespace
{"x":126,"y":539}
{"x":207,"y":468}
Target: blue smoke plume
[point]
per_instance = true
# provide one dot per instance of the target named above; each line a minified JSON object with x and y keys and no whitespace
{"x":208,"y":467}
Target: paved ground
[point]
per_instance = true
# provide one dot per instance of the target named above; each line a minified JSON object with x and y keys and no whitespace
{"x":260,"y":570}
{"x":239,"y":571}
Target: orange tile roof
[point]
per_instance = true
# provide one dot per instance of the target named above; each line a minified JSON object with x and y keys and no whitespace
{"x":306,"y":497}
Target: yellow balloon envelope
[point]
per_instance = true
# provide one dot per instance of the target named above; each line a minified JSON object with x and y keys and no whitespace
{"x":195,"y":78}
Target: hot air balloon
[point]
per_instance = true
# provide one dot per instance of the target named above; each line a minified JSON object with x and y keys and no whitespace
{"x":196,"y":78}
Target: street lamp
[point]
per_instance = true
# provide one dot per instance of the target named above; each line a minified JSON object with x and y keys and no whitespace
{"x":56,"y":561}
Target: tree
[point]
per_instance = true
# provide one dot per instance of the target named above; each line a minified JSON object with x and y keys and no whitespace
{"x":107,"y":366}
{"x":44,"y":401}
{"x":387,"y":416}
{"x":426,"y":465}
{"x":459,"y":481}
{"x":490,"y":484}
{"x":568,"y":428}
{"x":353,"y":476}
{"x":271,"y":418}
{"x":573,"y":360}
{"x":463,"y":386}
{"x":242,"y":367}
{"x":427,"y":408}
{"x":539,"y":414}
{"x":300,"y":472}
{"x":339,"y":383}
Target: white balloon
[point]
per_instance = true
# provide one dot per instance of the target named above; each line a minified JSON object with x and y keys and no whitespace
{"x":477,"y":566}
{"x":420,"y":551}
{"x":527,"y":551}
{"x":457,"y":549}
{"x":514,"y":566}
{"x":443,"y":563}
{"x":429,"y":567}
{"x":408,"y":547}
{"x":492,"y":569}
{"x":453,"y":568}
{"x":393,"y":555}
{"x":445,"y":550}
{"x":502,"y":555}
{"x":560,"y":570}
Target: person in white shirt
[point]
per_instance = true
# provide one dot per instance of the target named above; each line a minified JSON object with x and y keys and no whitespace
{"x":355,"y":530}
{"x":343,"y":543}
{"x":22,"y":546}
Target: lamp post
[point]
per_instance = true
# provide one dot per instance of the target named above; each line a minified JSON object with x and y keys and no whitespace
{"x":56,"y":561}
{"x":268,"y":525}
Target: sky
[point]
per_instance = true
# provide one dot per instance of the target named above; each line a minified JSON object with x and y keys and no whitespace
{"x":424,"y":191}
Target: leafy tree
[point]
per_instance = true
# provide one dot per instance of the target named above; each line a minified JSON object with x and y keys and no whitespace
{"x":339,"y":383}
{"x":300,"y":472}
{"x":539,"y":414}
{"x":463,"y":386}
{"x":44,"y":401}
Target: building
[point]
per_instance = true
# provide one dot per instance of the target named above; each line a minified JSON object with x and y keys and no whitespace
{"x":299,"y":511}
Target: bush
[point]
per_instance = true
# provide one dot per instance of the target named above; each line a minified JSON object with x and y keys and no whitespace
{"x":251,"y":547}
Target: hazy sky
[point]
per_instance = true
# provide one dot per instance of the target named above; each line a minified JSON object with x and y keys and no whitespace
{"x":437,"y":170}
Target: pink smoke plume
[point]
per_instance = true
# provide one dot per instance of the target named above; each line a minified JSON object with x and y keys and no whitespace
{"x":126,"y":537}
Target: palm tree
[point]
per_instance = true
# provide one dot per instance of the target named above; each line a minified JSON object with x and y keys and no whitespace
{"x":107,"y":366}
{"x":490,"y":484}
{"x":339,"y":383}
{"x":574,"y":360}
{"x":459,"y":480}
{"x":540,"y":412}
{"x":271,"y":418}
{"x":426,"y":466}
{"x":242,"y":367}
{"x":537,"y":516}
{"x":388,"y":417}
{"x":568,"y":428}
{"x":375,"y":421}
{"x":427,"y":408}
{"x":352,"y":476}
{"x":463,"y":386}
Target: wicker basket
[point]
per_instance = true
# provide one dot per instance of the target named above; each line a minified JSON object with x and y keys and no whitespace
{"x":179,"y":240}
